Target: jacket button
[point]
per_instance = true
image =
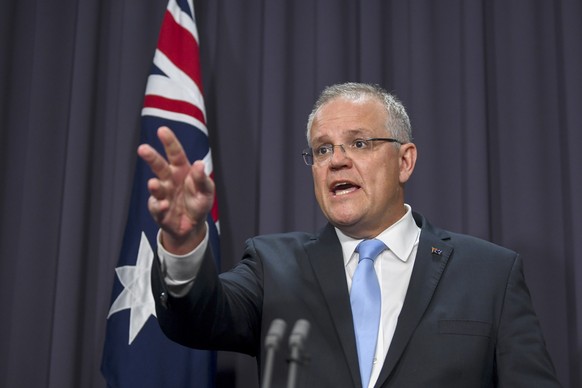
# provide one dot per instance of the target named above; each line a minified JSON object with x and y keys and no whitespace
{"x":164,"y":300}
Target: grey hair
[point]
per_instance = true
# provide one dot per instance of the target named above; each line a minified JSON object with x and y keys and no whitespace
{"x":398,"y":122}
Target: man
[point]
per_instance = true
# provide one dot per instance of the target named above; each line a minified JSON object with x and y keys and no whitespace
{"x":454,"y":310}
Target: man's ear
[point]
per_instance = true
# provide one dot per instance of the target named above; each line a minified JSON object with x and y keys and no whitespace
{"x":407,"y":161}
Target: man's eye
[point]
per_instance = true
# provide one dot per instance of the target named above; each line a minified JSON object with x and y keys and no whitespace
{"x":322,"y":150}
{"x":360,"y":144}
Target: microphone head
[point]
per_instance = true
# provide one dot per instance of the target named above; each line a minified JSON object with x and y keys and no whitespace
{"x":299,"y":333}
{"x":275,"y":333}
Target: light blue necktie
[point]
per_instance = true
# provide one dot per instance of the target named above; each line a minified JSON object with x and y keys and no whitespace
{"x":366,"y":303}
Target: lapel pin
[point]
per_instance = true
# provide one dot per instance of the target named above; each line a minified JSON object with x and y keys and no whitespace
{"x":436,"y":251}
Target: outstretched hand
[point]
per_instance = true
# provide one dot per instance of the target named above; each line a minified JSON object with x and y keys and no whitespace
{"x":181,"y":194}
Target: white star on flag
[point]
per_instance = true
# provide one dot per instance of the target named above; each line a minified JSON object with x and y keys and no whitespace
{"x":137,"y":292}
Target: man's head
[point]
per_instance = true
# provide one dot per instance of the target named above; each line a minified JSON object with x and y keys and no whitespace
{"x":397,"y":124}
{"x":359,"y":185}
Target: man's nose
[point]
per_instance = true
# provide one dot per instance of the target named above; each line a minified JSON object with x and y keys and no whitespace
{"x":339,"y":157}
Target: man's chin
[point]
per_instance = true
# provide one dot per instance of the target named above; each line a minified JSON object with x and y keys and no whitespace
{"x":350,"y":228}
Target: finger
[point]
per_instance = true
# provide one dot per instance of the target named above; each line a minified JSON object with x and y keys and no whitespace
{"x":173,"y":147}
{"x":157,"y":189}
{"x":157,"y":163}
{"x":203,"y":183}
{"x":157,"y":208}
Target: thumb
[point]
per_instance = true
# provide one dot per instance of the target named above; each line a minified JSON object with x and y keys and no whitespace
{"x":203,"y":185}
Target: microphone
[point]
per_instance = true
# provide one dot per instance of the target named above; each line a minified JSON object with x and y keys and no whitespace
{"x":272,"y":340}
{"x":296,"y":340}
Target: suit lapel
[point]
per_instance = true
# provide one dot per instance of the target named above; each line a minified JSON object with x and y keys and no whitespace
{"x":431,"y":258}
{"x":326,"y":258}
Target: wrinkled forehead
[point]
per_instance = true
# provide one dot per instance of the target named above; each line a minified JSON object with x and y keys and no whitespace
{"x":346,"y":119}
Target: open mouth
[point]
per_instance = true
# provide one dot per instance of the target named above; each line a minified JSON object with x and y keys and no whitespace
{"x":343,"y":188}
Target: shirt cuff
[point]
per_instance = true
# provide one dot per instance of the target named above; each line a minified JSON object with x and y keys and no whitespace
{"x":180,"y":270}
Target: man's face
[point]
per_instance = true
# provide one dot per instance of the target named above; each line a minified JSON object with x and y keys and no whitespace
{"x":363,"y":194}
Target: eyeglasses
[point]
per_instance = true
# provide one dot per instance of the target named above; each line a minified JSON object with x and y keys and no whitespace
{"x":358,"y":147}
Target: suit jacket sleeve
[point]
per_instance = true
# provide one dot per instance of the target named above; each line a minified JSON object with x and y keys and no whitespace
{"x":521,"y":356}
{"x":467,"y":320}
{"x":219,"y":313}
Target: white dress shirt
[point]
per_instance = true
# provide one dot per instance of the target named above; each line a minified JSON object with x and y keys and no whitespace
{"x":393,"y":268}
{"x":180,"y":270}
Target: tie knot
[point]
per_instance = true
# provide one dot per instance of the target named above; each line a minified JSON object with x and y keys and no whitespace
{"x":370,"y":249}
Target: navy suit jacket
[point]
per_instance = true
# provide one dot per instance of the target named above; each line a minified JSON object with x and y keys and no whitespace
{"x":467,"y":319}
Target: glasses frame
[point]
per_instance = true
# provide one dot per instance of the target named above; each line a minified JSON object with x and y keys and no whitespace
{"x":308,"y":152}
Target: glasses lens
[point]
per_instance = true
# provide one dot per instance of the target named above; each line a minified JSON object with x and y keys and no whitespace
{"x":308,"y":156}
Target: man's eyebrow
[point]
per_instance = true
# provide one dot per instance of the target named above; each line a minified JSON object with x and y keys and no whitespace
{"x":351,"y":132}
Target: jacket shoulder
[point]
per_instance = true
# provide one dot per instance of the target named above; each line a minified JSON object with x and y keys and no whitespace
{"x":460,"y":242}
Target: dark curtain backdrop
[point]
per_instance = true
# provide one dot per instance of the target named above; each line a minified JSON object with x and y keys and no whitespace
{"x":494,"y":90}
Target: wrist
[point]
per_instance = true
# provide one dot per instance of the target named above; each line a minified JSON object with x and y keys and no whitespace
{"x":181,"y":245}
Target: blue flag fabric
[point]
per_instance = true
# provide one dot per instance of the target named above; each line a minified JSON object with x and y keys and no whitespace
{"x":136,"y":352}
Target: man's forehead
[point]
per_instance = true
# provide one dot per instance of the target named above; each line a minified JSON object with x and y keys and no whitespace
{"x":342,"y":109}
{"x":346,"y":118}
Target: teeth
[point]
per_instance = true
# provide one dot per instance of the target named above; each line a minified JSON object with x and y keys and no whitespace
{"x":342,"y":192}
{"x":343,"y":188}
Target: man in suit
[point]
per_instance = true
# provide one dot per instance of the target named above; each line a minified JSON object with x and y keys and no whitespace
{"x":453,"y":310}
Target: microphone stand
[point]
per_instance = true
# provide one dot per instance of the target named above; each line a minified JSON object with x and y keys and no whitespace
{"x":296,"y":340}
{"x":272,"y":339}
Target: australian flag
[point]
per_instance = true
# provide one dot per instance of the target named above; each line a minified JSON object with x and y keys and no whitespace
{"x":136,"y":352}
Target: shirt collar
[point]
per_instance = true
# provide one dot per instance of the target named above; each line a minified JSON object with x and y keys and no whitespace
{"x":399,"y":237}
